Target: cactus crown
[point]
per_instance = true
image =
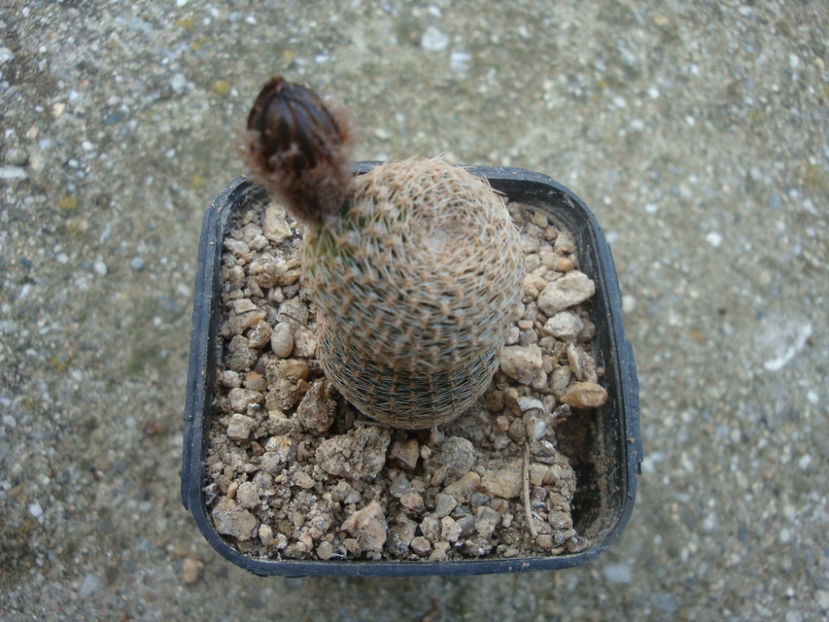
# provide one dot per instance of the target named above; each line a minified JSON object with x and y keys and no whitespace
{"x":416,"y":269}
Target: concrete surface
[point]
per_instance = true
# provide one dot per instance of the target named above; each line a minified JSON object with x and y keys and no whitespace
{"x":697,"y":132}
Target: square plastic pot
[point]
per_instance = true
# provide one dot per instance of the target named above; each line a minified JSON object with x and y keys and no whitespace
{"x":603,"y":444}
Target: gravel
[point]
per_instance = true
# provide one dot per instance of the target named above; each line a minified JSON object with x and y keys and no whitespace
{"x":697,"y":134}
{"x":300,"y":450}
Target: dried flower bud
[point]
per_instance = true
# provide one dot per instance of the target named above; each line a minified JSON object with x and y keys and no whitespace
{"x":299,"y":149}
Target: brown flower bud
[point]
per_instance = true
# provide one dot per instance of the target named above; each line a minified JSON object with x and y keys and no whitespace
{"x":299,"y":149}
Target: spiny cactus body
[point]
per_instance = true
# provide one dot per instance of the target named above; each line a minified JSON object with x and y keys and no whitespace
{"x":417,"y":283}
{"x":416,"y":277}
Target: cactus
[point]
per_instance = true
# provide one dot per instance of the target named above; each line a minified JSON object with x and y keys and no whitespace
{"x":415,"y":267}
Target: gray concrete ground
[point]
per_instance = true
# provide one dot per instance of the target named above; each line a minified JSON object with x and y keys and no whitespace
{"x":697,"y":132}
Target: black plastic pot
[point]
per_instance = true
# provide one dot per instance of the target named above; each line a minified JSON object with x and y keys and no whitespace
{"x":605,"y":443}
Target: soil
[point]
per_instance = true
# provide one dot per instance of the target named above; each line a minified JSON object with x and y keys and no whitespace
{"x":295,"y":472}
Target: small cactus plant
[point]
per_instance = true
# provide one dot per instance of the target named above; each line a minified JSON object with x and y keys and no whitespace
{"x":415,"y":267}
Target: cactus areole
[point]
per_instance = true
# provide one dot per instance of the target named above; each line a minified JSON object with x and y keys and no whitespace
{"x":415,"y":267}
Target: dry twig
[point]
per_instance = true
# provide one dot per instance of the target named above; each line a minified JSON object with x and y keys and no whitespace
{"x":525,"y":476}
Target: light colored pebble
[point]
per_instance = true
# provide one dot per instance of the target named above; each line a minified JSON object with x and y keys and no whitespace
{"x":368,"y":526}
{"x":503,"y":482}
{"x":486,"y":521}
{"x":248,"y":495}
{"x":573,"y":288}
{"x":618,"y":573}
{"x":240,"y":426}
{"x":232,"y":520}
{"x":420,"y":546}
{"x":585,"y":395}
{"x":305,"y":343}
{"x":405,"y":453}
{"x":191,"y":570}
{"x":282,"y":339}
{"x":275,"y":225}
{"x":325,"y":550}
{"x":565,"y":325}
{"x":522,"y":363}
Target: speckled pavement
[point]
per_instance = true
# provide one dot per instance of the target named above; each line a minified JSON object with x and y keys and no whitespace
{"x":697,"y":132}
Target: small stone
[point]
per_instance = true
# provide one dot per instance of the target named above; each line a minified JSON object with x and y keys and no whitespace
{"x":248,"y":495}
{"x":232,"y":520}
{"x":456,"y":457}
{"x":412,"y":501}
{"x":449,"y":529}
{"x":522,"y":363}
{"x":240,"y":426}
{"x":275,"y":225}
{"x":256,"y":382}
{"x":325,"y":550}
{"x":486,"y":521}
{"x":573,"y":288}
{"x":35,"y":511}
{"x":665,"y":601}
{"x":89,"y":586}
{"x":401,"y":534}
{"x":537,"y":473}
{"x":359,"y":453}
{"x":544,"y":541}
{"x":539,"y":218}
{"x":178,"y":83}
{"x":563,"y":264}
{"x":421,"y":546}
{"x":433,"y":40}
{"x":585,"y":395}
{"x":260,"y":335}
{"x":822,"y":598}
{"x":494,"y":401}
{"x":293,"y":311}
{"x":439,"y":554}
{"x":565,"y":243}
{"x":560,"y":380}
{"x":230,"y":379}
{"x":10,"y":173}
{"x":239,"y":355}
{"x":504,"y":482}
{"x":526,"y":403}
{"x":430,"y":528}
{"x":574,"y":360}
{"x":237,"y":324}
{"x":303,"y":480}
{"x":305,"y":343}
{"x":240,"y":399}
{"x":317,"y":410}
{"x":444,"y":504}
{"x":282,"y":339}
{"x":278,"y":450}
{"x":464,"y":487}
{"x":137,"y":264}
{"x":400,"y":486}
{"x":368,"y":526}
{"x":618,"y":573}
{"x":533,"y":284}
{"x":405,"y":453}
{"x":191,"y":570}
{"x":266,"y":534}
{"x":242,"y":305}
{"x":565,"y":325}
